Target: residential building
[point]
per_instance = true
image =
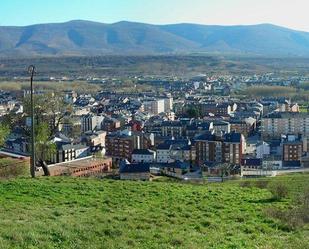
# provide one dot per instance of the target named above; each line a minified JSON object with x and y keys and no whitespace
{"x":228,"y":148}
{"x":168,"y":104}
{"x":176,"y":150}
{"x":172,"y":128}
{"x":95,"y":138}
{"x":68,"y":152}
{"x":91,"y":122}
{"x":111,"y":124}
{"x":221,"y":127}
{"x":244,"y":126}
{"x":137,"y":171}
{"x":154,"y":106}
{"x":292,"y":148}
{"x":262,"y":149}
{"x":278,"y":123}
{"x":143,"y":156}
{"x":175,"y":169}
{"x":120,"y":145}
{"x":233,"y":147}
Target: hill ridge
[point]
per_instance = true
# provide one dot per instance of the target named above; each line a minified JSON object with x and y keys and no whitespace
{"x":80,"y":37}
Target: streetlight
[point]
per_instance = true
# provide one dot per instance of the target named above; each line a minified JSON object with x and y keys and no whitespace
{"x":31,"y":71}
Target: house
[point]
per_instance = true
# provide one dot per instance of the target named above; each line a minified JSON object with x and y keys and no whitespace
{"x":198,"y":128}
{"x":272,"y":162}
{"x":221,"y":127}
{"x":143,"y":156}
{"x":251,"y":163}
{"x":262,"y":149}
{"x":291,"y":164}
{"x":208,"y":148}
{"x":175,"y":169}
{"x":94,"y":138}
{"x":163,"y":153}
{"x":175,"y":150}
{"x":253,"y":167}
{"x":137,"y":171}
{"x":18,"y":145}
{"x":68,"y":152}
{"x":111,"y":124}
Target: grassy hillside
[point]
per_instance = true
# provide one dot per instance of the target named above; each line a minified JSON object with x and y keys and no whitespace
{"x":89,"y":213}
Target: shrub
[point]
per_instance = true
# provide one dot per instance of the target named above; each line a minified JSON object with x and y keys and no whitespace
{"x":279,"y":190}
{"x":261,"y":184}
{"x":295,"y":217}
{"x":292,"y":218}
{"x":245,"y":184}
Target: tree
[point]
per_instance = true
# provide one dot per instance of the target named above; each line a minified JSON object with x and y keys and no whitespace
{"x":193,"y":112}
{"x":4,"y":132}
{"x":225,"y":169}
{"x":44,"y":148}
{"x":50,"y":109}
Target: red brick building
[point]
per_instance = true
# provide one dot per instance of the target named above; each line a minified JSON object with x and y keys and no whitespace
{"x":226,"y":149}
{"x":84,"y":167}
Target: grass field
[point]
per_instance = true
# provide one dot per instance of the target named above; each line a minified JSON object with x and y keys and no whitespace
{"x":90,"y":213}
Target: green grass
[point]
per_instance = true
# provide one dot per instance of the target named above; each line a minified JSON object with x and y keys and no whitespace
{"x":90,"y":213}
{"x":303,"y":108}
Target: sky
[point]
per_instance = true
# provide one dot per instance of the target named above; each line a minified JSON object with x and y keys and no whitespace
{"x":288,"y":13}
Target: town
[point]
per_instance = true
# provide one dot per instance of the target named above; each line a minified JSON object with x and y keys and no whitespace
{"x":167,"y":124}
{"x":203,"y":127}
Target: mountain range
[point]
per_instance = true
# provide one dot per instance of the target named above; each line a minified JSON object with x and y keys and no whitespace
{"x":92,"y":38}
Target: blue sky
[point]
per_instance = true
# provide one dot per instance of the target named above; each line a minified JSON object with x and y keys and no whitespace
{"x":288,"y":13}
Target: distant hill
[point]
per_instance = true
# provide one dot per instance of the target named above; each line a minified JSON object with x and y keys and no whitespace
{"x":92,"y":38}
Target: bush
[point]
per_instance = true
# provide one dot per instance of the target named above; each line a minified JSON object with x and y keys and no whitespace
{"x":261,"y":184}
{"x":295,"y":217}
{"x":279,"y":190}
{"x":292,"y":218}
{"x":245,"y":184}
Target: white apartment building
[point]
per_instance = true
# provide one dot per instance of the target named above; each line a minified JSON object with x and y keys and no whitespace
{"x":278,"y":123}
{"x":168,"y":104}
{"x":154,"y":106}
{"x":262,"y":149}
{"x":143,"y":156}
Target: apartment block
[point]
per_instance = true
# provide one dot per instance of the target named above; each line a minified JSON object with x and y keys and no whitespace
{"x":276,"y":124}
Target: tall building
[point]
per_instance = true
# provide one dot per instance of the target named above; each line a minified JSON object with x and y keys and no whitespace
{"x":278,"y":123}
{"x":293,"y":148}
{"x":121,"y":145}
{"x":228,"y":148}
{"x":233,"y":147}
{"x":155,"y":106}
{"x":91,"y":122}
{"x":172,"y":129}
{"x":168,"y":104}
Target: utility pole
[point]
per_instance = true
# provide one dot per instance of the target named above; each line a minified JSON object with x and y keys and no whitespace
{"x":31,"y":71}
